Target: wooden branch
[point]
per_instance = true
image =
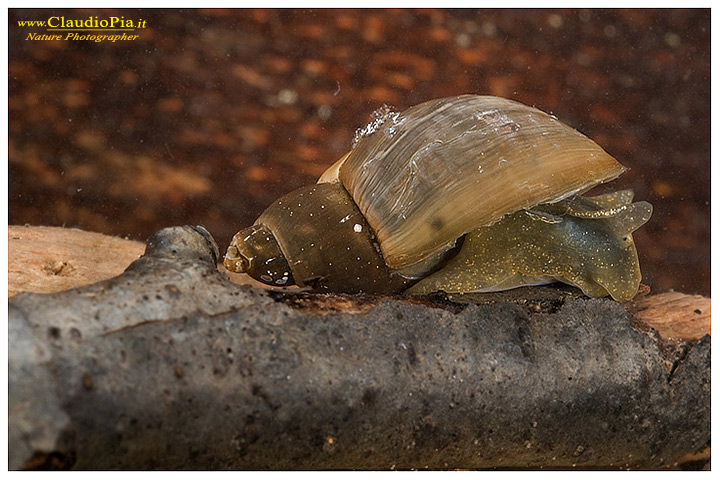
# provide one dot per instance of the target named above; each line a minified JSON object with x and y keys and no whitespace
{"x":52,"y":259}
{"x":675,"y":315}
{"x":170,"y":365}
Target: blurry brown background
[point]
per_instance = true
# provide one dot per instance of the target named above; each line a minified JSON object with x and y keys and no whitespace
{"x":211,"y":115}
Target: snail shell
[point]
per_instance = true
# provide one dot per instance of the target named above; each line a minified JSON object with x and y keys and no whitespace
{"x":414,"y":185}
{"x":444,"y":167}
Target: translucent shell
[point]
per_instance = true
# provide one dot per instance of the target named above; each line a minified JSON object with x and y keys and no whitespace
{"x":585,"y":242}
{"x":438,"y":170}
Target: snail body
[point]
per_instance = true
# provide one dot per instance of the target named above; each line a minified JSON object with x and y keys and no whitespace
{"x":584,"y":242}
{"x":413,"y":198}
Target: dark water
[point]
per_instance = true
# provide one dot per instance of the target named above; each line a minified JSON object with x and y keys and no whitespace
{"x":209,"y":116}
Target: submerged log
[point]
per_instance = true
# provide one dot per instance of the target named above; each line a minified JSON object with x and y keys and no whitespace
{"x":170,"y":365}
{"x":52,"y":259}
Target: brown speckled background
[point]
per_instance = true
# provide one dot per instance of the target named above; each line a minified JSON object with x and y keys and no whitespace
{"x":211,"y":115}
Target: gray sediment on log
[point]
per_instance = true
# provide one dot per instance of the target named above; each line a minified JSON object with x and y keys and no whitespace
{"x":170,"y":365}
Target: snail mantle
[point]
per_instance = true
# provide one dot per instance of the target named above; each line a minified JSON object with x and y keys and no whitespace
{"x":170,"y":365}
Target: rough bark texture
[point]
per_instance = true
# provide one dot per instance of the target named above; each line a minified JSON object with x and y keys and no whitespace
{"x":170,"y":365}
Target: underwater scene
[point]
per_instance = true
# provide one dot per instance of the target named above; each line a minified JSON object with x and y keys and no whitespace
{"x":206,"y":117}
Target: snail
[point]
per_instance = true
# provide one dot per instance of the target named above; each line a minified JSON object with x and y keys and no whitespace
{"x":460,"y":194}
